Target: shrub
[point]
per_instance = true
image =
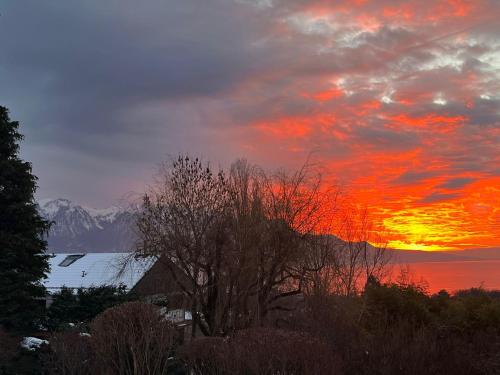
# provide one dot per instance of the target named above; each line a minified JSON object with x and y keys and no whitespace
{"x":260,"y":351}
{"x":8,"y":349}
{"x":390,"y":329}
{"x":71,"y":354}
{"x":83,"y":305}
{"x":133,"y":338}
{"x":15,"y":360}
{"x":393,"y":303}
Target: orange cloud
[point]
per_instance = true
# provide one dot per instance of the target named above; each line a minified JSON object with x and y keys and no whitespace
{"x":412,"y":129}
{"x":431,"y":121}
{"x":327,"y":95}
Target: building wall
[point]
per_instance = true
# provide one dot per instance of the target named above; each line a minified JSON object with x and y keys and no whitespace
{"x":158,"y":282}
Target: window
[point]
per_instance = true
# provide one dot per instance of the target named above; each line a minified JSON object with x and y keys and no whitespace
{"x":70,"y":259}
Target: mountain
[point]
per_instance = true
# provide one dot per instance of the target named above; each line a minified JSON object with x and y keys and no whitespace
{"x":78,"y":228}
{"x":492,"y":253}
{"x":418,"y":256}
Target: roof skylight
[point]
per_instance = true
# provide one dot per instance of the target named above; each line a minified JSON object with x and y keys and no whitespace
{"x":70,"y":259}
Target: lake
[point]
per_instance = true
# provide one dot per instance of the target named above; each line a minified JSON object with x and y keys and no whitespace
{"x":456,"y":275}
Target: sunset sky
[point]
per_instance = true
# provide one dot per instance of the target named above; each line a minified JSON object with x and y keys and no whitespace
{"x":399,"y":100}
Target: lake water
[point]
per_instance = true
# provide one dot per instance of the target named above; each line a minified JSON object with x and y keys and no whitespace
{"x":457,"y":275}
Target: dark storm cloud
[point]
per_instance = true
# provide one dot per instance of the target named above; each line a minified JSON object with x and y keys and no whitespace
{"x":438,"y":197}
{"x":456,"y":183}
{"x":93,"y":61}
{"x":89,"y":78}
{"x":413,"y":177}
{"x":386,"y":139}
{"x":114,"y":48}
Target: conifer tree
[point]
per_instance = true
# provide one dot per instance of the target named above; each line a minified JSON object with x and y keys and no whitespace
{"x":23,"y":261}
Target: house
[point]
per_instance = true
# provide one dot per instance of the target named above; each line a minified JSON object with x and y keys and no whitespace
{"x":151,"y":280}
{"x":148,"y":278}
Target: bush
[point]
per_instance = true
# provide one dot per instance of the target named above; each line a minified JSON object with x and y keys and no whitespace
{"x":474,"y":310}
{"x":71,"y":354}
{"x":390,"y":329}
{"x":16,"y":360}
{"x":83,"y":305}
{"x":399,"y":329}
{"x":133,"y":338}
{"x":8,"y":349}
{"x":393,"y":303}
{"x":260,"y":351}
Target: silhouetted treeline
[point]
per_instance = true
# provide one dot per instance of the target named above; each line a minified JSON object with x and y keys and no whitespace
{"x":393,"y":328}
{"x":389,"y":329}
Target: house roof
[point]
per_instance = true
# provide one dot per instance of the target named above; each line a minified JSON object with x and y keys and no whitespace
{"x":81,"y":270}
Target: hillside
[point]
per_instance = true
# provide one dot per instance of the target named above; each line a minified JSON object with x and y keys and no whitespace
{"x":84,"y":229}
{"x":79,"y":228}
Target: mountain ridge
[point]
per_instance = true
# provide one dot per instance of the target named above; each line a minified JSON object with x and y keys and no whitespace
{"x":78,"y":228}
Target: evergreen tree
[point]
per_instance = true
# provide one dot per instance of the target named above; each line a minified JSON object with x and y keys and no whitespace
{"x":23,"y":262}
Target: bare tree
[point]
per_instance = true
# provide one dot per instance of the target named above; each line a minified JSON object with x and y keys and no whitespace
{"x":348,"y":259}
{"x":361,"y":254}
{"x":245,"y":239}
{"x":278,"y":221}
{"x":181,"y":223}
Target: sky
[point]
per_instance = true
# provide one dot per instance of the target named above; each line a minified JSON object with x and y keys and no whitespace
{"x":399,"y":101}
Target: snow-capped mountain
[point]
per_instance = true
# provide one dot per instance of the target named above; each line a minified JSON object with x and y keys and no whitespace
{"x":80,"y":228}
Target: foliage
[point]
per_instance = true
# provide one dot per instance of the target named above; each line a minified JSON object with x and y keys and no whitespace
{"x":390,"y":329}
{"x":23,"y":262}
{"x":260,"y":351}
{"x":71,"y":354}
{"x":8,"y":349}
{"x":472,"y":310}
{"x":392,"y":303}
{"x":399,"y":328}
{"x":83,"y":305}
{"x":15,"y":360}
{"x":132,"y":338}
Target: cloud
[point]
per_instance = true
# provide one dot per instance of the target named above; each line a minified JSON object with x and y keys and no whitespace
{"x":396,"y":98}
{"x":438,"y":197}
{"x":413,"y":177}
{"x":456,"y":183}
